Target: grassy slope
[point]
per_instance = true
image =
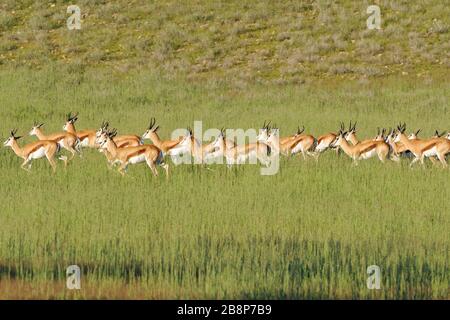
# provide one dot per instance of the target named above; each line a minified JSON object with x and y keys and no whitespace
{"x":308,"y":232}
{"x":265,"y":41}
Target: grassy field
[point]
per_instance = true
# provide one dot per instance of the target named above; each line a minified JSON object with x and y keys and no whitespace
{"x":308,"y":232}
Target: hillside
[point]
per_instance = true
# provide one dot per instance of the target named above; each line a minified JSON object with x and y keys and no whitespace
{"x":262,"y":41}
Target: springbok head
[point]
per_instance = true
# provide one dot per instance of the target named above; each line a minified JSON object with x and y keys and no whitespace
{"x":151,"y":129}
{"x":263,"y":132}
{"x":414,"y":135}
{"x":440,"y":135}
{"x":70,"y":120}
{"x":401,"y":128}
{"x":107,"y":136}
{"x":12,"y":138}
{"x":341,"y":134}
{"x":300,"y":131}
{"x":35,"y":130}
{"x":351,"y":130}
{"x":103,"y":129}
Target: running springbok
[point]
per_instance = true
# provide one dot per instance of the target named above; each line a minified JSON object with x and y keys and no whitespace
{"x":305,"y":144}
{"x":151,"y":154}
{"x":362,"y":151}
{"x":66,"y":140}
{"x":192,"y":146}
{"x":151,"y":133}
{"x":290,"y":145}
{"x":239,"y":154}
{"x":34,"y":150}
{"x":122,"y":141}
{"x":438,"y":147}
{"x":324,"y":142}
{"x":86,"y":137}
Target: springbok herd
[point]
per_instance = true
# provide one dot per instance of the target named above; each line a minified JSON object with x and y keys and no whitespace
{"x":130,"y":149}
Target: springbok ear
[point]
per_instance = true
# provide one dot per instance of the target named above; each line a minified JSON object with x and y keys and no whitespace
{"x":19,"y":137}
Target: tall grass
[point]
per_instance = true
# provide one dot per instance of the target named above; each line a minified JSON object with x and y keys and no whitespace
{"x":308,"y":232}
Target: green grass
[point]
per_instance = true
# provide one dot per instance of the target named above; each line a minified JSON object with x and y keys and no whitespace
{"x":308,"y":232}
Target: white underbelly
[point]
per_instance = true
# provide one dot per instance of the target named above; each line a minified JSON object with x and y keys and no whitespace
{"x":39,"y":153}
{"x":368,"y":154}
{"x":61,"y":143}
{"x":297,"y":148}
{"x":137,"y":159}
{"x":430,"y":152}
{"x":321,"y":146}
{"x":84,"y":142}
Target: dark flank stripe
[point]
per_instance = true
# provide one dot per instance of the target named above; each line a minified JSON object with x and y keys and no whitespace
{"x":369,"y":148}
{"x":136,"y":153}
{"x":36,"y":147}
{"x":430,"y":146}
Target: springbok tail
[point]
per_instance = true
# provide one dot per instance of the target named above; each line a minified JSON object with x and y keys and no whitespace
{"x":314,"y":146}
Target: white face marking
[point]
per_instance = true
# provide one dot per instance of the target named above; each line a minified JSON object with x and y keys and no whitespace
{"x":33,"y":131}
{"x":347,"y":135}
{"x":8,"y":142}
{"x":262,"y":136}
{"x":217,"y":143}
{"x":146,"y":135}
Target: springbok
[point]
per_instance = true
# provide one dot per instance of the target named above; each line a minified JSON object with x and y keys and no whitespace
{"x":34,"y":150}
{"x":290,"y":145}
{"x":362,"y":151}
{"x":239,"y":154}
{"x":151,"y":154}
{"x":324,"y":142}
{"x":299,"y":143}
{"x":86,"y":137}
{"x":192,"y":146}
{"x":122,"y":141}
{"x":164,"y":145}
{"x":66,"y":140}
{"x":438,"y":147}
